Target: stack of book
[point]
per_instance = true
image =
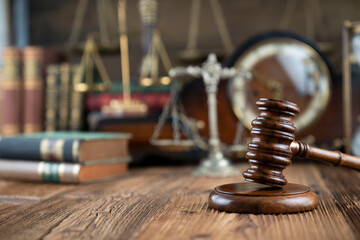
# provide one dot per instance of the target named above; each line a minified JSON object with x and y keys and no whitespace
{"x":64,"y":157}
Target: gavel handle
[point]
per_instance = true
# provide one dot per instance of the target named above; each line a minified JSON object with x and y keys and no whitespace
{"x":335,"y":158}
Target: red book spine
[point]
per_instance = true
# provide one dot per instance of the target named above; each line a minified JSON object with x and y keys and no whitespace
{"x":11,"y":92}
{"x":33,"y":89}
{"x":155,"y":101}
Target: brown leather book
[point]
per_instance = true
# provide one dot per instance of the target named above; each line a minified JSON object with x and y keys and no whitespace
{"x":71,"y":147}
{"x":33,"y":89}
{"x":11,"y":92}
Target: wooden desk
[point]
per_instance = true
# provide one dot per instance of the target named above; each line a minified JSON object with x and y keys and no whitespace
{"x":167,"y":203}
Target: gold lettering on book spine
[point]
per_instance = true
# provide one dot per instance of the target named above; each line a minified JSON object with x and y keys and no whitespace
{"x":40,"y":168}
{"x":44,"y":152}
{"x":9,"y":85}
{"x":32,"y":127}
{"x":11,"y":69}
{"x":59,"y":150}
{"x":61,"y":172}
{"x":76,"y":172}
{"x":52,"y":150}
{"x":33,"y":85}
{"x":32,"y":69}
{"x":51,"y":172}
{"x":75,"y":151}
{"x":10,"y":129}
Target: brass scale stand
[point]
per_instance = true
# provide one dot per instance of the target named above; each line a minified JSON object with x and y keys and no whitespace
{"x":215,"y":164}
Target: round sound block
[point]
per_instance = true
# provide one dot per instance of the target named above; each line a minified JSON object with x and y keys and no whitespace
{"x":258,"y":198}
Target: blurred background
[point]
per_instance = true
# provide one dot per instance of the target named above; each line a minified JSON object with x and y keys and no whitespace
{"x":49,"y":23}
{"x":60,"y":29}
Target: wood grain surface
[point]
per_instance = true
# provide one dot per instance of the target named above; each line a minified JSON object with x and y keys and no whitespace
{"x":168,"y":203}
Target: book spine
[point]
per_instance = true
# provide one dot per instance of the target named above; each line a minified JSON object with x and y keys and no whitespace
{"x":65,"y":95}
{"x":40,"y":171}
{"x":155,"y":101}
{"x":33,"y":89}
{"x":52,"y":150}
{"x":77,"y":105}
{"x":1,"y":99}
{"x":11,"y":92}
{"x":52,"y":98}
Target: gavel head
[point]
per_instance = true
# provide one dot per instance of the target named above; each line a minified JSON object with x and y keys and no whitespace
{"x":272,"y":133}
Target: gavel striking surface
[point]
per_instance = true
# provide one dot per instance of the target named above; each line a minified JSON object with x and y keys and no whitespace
{"x":257,"y":198}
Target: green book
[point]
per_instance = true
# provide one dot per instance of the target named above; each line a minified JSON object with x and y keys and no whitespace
{"x":71,"y":147}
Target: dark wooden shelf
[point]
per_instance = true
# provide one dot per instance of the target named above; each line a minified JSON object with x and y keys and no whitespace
{"x":168,"y":203}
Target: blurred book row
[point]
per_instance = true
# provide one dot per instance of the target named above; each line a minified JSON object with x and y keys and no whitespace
{"x":37,"y":93}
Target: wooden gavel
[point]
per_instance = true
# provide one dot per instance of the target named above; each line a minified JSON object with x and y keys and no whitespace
{"x":273,"y":144}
